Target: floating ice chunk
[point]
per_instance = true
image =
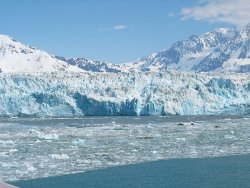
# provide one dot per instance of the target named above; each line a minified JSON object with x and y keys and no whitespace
{"x":31,"y":131}
{"x":87,"y":161}
{"x":151,"y":124}
{"x":246,"y":118}
{"x":229,"y":136}
{"x":6,"y":142}
{"x":182,"y":123}
{"x":113,"y":163}
{"x":199,"y":121}
{"x":96,"y":162}
{"x":78,"y":141}
{"x":13,"y":150}
{"x":181,"y":139}
{"x":4,"y":154}
{"x":29,"y":167}
{"x":49,"y":136}
{"x":154,"y":152}
{"x":6,"y":165}
{"x":41,"y":134}
{"x":37,"y":141}
{"x":60,"y":157}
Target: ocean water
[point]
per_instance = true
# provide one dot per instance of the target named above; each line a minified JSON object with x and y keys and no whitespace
{"x":218,"y":172}
{"x":35,"y":148}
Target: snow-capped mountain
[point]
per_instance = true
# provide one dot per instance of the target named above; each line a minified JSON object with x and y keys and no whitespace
{"x":222,"y":50}
{"x":93,"y":66}
{"x":219,"y":50}
{"x":28,"y":86}
{"x":16,"y":57}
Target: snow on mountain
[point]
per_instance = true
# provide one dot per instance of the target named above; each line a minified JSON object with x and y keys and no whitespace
{"x":220,"y":50}
{"x":16,"y":57}
{"x":93,"y":66}
{"x":134,"y":93}
{"x":35,"y":83}
{"x":232,"y":56}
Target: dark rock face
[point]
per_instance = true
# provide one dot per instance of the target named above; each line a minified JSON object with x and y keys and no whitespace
{"x":92,"y":66}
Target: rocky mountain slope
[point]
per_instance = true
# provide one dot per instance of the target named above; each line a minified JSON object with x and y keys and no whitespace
{"x":219,"y":50}
{"x":93,"y":66}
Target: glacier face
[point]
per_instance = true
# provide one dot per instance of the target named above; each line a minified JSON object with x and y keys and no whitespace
{"x":135,"y":93}
{"x":36,"y":83}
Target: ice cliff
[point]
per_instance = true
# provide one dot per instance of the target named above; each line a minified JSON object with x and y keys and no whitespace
{"x":136,"y":93}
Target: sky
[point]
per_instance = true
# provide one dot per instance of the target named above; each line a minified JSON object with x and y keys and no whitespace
{"x":117,"y":31}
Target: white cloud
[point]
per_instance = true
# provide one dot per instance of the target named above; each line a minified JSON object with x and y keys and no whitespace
{"x":235,"y":12}
{"x":115,"y":27}
{"x":119,"y":27}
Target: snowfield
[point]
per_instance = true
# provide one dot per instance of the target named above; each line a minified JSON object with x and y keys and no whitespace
{"x":135,"y":93}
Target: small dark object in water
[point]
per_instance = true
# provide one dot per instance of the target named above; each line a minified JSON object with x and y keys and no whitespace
{"x":180,"y":123}
{"x":216,"y":126}
{"x":70,"y":136}
{"x":76,"y":125}
{"x":145,"y":137}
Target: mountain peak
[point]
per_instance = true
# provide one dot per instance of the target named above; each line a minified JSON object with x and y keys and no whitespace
{"x":17,"y":57}
{"x":245,"y":32}
{"x":223,"y":30}
{"x":4,"y":36}
{"x":223,"y":49}
{"x":247,"y":26}
{"x":6,"y":39}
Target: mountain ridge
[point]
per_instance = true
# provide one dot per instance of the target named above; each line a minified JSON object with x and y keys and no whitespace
{"x":212,"y":51}
{"x":221,"y":50}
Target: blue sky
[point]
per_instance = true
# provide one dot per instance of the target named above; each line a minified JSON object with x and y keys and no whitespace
{"x":117,"y":31}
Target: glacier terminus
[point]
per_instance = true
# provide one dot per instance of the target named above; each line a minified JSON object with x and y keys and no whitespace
{"x":207,"y":74}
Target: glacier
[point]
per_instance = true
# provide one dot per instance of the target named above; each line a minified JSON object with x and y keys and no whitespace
{"x":136,"y":93}
{"x":207,"y":74}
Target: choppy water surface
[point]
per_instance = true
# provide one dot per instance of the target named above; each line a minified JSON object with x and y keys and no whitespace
{"x":31,"y":148}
